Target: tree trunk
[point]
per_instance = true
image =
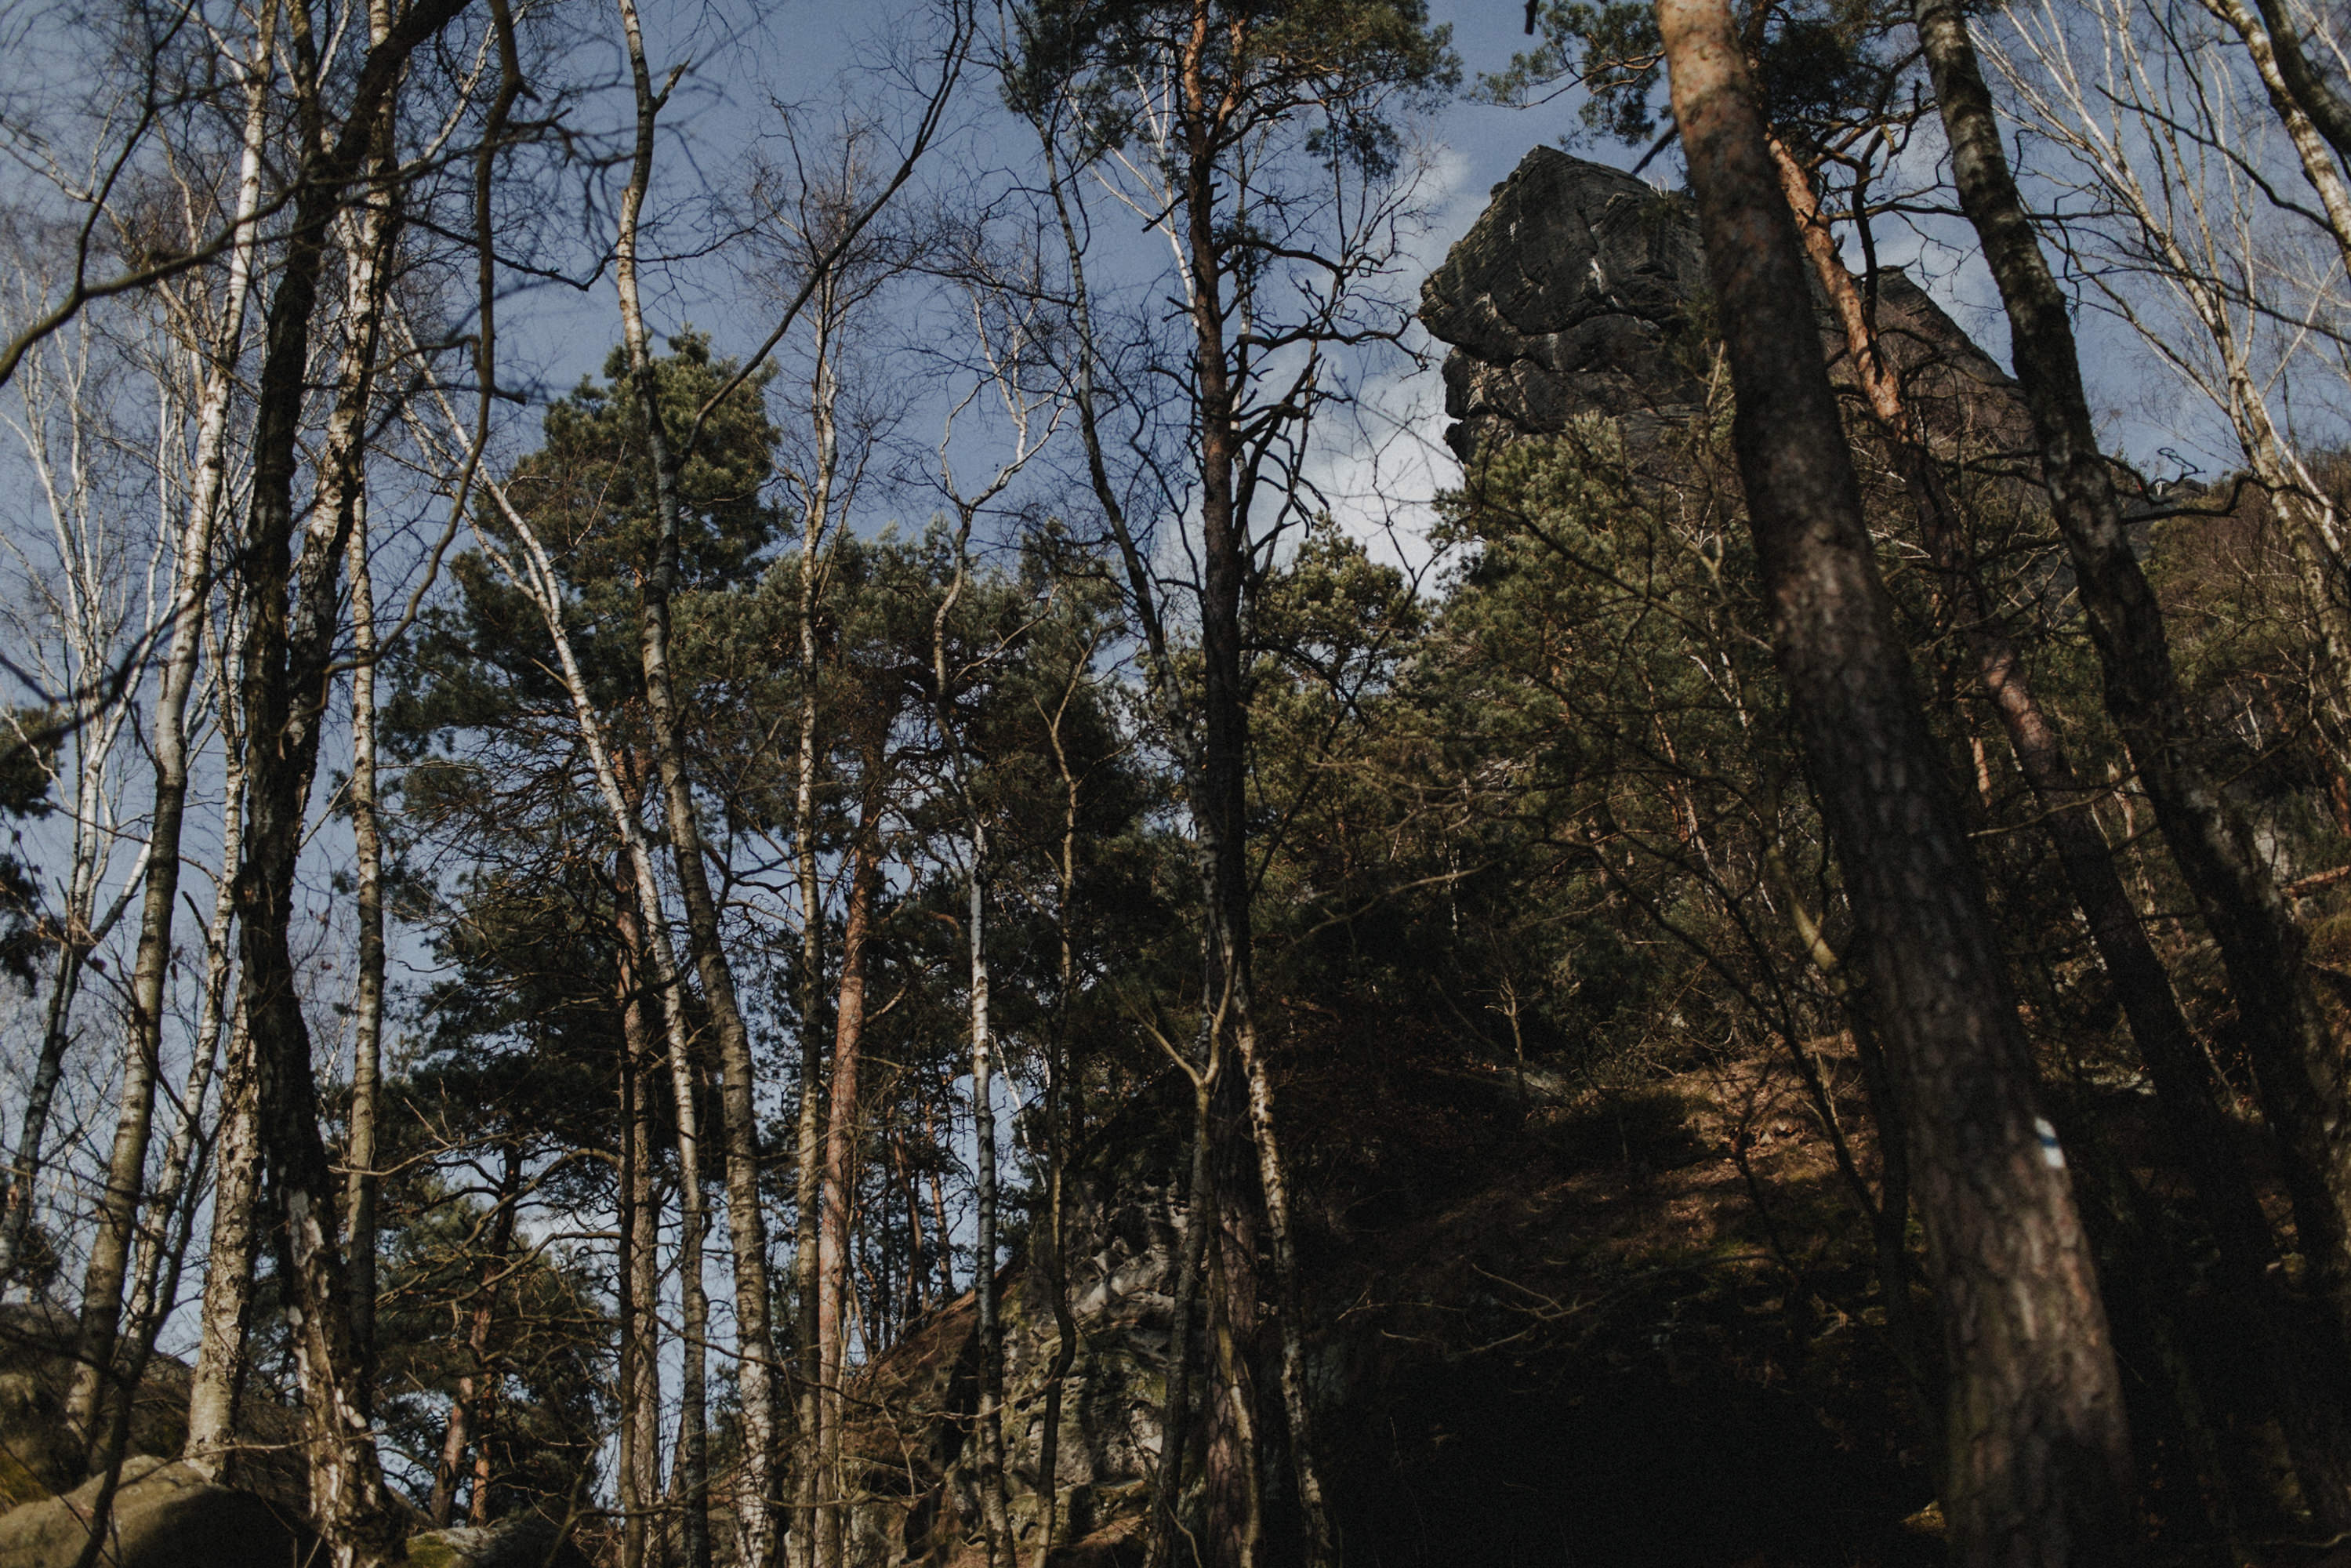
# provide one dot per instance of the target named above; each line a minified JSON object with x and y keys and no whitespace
{"x":366,"y":1001}
{"x":637,"y":1270}
{"x":218,"y":1383}
{"x":2037,"y":1466}
{"x":1176,"y":1416}
{"x":746,"y":1215}
{"x":172,"y":1210}
{"x":48,"y":1066}
{"x":2285,"y":1030}
{"x":832,"y":1281}
{"x":152,"y":965}
{"x":2201,"y":1137}
{"x":994,"y":1515}
{"x":809,"y":1131}
{"x":288,"y":652}
{"x":1051,"y":1247}
{"x":467,"y":1423}
{"x":1220,"y":793}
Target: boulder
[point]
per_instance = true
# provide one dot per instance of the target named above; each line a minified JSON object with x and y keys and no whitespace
{"x":525,"y":1541}
{"x":165,"y":1515}
{"x":41,"y":1456}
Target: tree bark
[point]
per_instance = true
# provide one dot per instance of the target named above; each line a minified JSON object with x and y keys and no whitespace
{"x":1176,"y":1415}
{"x":171,"y":1214}
{"x":1220,"y":795}
{"x":809,"y":1127}
{"x":192,"y":582}
{"x":1061,"y":1098}
{"x":638,"y":1269}
{"x":994,"y":1514}
{"x":2328,"y":109}
{"x":366,"y":1001}
{"x":218,"y":1383}
{"x":288,"y":652}
{"x":2038,"y":1465}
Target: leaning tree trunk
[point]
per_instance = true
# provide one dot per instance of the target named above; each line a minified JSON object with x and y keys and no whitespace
{"x":2296,"y":1060}
{"x":2201,"y":1136}
{"x":2038,"y":1465}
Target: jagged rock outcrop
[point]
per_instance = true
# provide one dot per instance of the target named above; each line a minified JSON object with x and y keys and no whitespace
{"x":1583,"y":290}
{"x":1572,"y":295}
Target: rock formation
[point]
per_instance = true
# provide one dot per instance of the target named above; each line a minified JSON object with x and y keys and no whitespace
{"x":165,"y":1515}
{"x":1573,"y":294}
{"x":1582,"y":290}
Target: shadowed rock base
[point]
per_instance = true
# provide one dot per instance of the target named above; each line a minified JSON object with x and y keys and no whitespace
{"x":164,"y":1516}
